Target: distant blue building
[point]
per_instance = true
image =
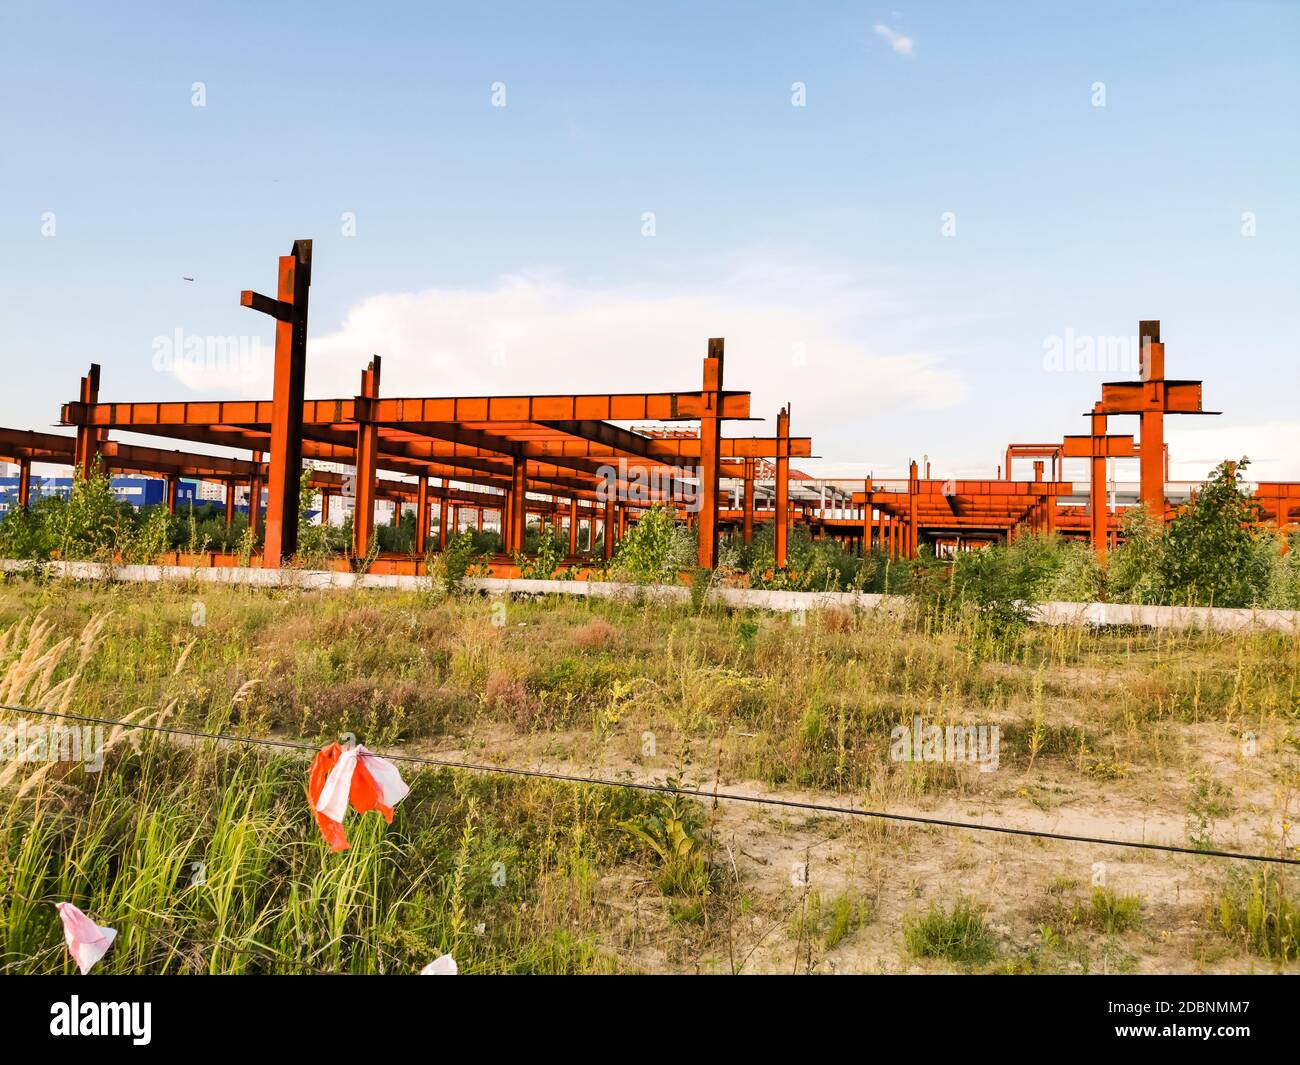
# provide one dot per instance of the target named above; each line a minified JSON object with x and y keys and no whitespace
{"x":138,"y":491}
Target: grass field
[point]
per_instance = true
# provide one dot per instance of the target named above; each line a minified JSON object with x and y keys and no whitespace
{"x":205,"y":858}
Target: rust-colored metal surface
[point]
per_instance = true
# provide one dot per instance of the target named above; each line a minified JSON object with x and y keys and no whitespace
{"x":571,"y":460}
{"x":1151,"y":398}
{"x":566,"y":447}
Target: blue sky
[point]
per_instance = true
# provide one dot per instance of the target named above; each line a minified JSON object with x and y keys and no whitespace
{"x":501,"y":249}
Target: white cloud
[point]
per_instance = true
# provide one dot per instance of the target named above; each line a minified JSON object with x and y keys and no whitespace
{"x":899,"y":43}
{"x":828,"y":342}
{"x":1272,"y":447}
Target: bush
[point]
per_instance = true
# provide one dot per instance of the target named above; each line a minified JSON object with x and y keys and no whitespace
{"x":960,"y":936}
{"x":1132,"y":571}
{"x":1210,"y":552}
{"x":549,"y":552}
{"x":1256,"y":910}
{"x":453,"y":565}
{"x":811,"y":565}
{"x":655,"y":550}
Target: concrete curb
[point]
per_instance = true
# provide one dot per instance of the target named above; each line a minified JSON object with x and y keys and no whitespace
{"x":1210,"y":619}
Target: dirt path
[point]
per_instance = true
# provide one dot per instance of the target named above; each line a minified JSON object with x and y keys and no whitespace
{"x":791,"y":866}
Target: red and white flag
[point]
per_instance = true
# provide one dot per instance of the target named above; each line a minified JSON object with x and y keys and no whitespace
{"x":87,"y":941}
{"x":354,"y":775}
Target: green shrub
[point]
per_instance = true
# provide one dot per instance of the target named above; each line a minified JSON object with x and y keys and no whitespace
{"x":655,"y":550}
{"x":1210,"y":550}
{"x":811,"y":565}
{"x":549,"y":552}
{"x":1257,"y":911}
{"x":960,"y":935}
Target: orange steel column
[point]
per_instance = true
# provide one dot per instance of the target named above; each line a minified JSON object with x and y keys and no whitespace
{"x":86,"y":447}
{"x":1098,"y":512}
{"x":573,"y":525}
{"x":325,"y":498}
{"x":1151,"y":448}
{"x":608,"y":547}
{"x":747,"y":503}
{"x":290,"y":313}
{"x":518,"y":504}
{"x":781,"y":537}
{"x":421,"y":514}
{"x":366,"y":462}
{"x":255,"y":498}
{"x":710,"y":455}
{"x":444,"y":519}
{"x":230,"y":503}
{"x":1039,"y":517}
{"x":173,"y":483}
{"x":25,"y":484}
{"x":913,"y":489}
{"x":866,"y":518}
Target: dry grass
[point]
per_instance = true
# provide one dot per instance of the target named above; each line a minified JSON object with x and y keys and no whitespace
{"x":1161,"y":735}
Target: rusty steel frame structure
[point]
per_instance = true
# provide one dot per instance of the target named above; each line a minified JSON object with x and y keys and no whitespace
{"x":571,"y":460}
{"x":895,"y":521}
{"x":1150,"y":398}
{"x":517,"y":447}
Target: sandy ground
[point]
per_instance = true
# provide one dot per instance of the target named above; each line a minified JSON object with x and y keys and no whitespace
{"x":783,"y":860}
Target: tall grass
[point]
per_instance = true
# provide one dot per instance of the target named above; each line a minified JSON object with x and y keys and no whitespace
{"x":208,"y":855}
{"x":206,"y":860}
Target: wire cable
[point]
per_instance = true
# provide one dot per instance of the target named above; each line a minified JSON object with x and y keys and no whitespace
{"x":668,"y":789}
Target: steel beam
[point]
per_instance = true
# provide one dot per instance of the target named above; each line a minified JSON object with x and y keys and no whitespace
{"x":421,"y":514}
{"x":747,"y":504}
{"x":366,"y":460}
{"x":290,"y":313}
{"x":88,"y":437}
{"x":710,"y":455}
{"x":25,"y":484}
{"x":781,"y":527}
{"x":518,"y":506}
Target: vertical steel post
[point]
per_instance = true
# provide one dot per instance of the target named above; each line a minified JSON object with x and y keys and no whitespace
{"x":285,"y":473}
{"x":366,"y":461}
{"x":1151,"y":451}
{"x":1097,"y":511}
{"x":255,"y":497}
{"x":86,"y":448}
{"x":24,"y":484}
{"x":866,"y":517}
{"x":747,"y":503}
{"x":610,"y":519}
{"x":781,"y":539}
{"x":710,"y":455}
{"x":518,"y":504}
{"x":913,"y":489}
{"x":422,"y":514}
{"x":1040,"y":510}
